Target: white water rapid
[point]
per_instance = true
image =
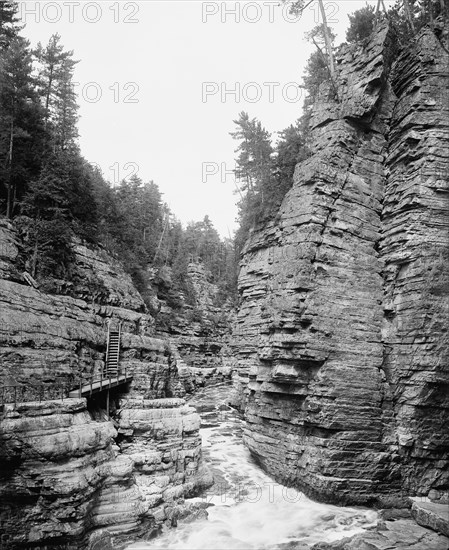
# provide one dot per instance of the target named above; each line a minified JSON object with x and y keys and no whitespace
{"x":248,"y":509}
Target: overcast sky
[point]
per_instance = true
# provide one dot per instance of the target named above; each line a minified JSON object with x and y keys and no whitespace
{"x":156,"y":82}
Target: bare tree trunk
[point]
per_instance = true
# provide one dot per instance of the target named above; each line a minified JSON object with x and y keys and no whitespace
{"x":162,"y":237}
{"x":408,"y":14}
{"x":430,"y":6}
{"x":47,"y":99}
{"x":379,"y":4}
{"x":34,"y":260}
{"x":10,"y":199}
{"x":327,"y":40}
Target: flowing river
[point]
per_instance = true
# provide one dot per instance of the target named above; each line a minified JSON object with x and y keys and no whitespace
{"x":248,"y":510}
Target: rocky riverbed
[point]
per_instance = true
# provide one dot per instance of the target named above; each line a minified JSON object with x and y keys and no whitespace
{"x":247,"y":509}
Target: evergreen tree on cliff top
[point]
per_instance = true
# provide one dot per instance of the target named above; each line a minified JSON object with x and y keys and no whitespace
{"x":55,"y":84}
{"x":265,"y":173}
{"x":9,"y":22}
{"x":21,"y":123}
{"x":296,"y":8}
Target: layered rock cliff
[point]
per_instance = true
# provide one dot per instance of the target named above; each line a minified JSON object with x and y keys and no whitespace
{"x":70,"y":476}
{"x":341,"y":336}
{"x":55,"y":339}
{"x":199,"y":333}
{"x":69,"y":481}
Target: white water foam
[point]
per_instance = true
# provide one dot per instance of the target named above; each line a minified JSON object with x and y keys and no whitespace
{"x":249,"y":510}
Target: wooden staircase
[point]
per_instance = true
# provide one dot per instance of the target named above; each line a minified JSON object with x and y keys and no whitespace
{"x":113,"y":351}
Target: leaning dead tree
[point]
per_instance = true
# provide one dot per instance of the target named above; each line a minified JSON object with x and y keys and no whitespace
{"x":297,"y":8}
{"x":327,"y":40}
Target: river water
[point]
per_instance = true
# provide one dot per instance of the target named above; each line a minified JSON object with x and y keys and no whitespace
{"x":247,"y":509}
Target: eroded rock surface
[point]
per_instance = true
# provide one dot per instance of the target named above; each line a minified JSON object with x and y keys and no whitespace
{"x":341,"y":335}
{"x":71,"y":477}
{"x":62,"y":476}
{"x":401,"y":534}
{"x":56,"y":339}
{"x":433,"y":515}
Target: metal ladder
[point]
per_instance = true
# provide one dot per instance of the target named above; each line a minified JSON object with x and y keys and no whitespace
{"x":113,"y":351}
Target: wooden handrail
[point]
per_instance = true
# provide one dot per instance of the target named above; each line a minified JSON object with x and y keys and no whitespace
{"x":20,"y":393}
{"x":107,"y":346}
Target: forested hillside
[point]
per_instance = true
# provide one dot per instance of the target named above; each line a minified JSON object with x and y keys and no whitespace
{"x":55,"y":196}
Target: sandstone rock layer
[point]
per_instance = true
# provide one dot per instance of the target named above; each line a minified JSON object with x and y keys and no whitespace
{"x":70,"y":476}
{"x":341,"y":334}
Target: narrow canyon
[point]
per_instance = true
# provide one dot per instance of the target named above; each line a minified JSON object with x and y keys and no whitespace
{"x":333,"y":366}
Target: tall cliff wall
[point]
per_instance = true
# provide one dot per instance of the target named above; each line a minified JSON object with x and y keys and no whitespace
{"x":199,"y":334}
{"x":341,"y":334}
{"x":54,"y":339}
{"x":71,"y":477}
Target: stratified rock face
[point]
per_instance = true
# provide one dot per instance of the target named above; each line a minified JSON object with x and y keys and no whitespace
{"x":69,"y":479}
{"x":161,"y":438}
{"x":415,"y":251}
{"x":56,"y":339}
{"x":341,"y":350}
{"x":199,"y":338}
{"x":58,"y":465}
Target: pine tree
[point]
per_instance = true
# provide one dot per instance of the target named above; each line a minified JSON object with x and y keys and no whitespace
{"x":255,"y":150}
{"x":55,"y":82}
{"x":267,"y":173}
{"x":20,"y":122}
{"x":290,"y":149}
{"x":361,"y":24}
{"x":46,"y":223}
{"x":66,"y":109}
{"x":9,"y":23}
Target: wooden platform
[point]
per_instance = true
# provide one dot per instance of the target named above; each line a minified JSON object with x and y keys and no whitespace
{"x":97,"y":386}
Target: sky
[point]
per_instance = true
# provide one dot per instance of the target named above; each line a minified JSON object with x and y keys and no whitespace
{"x":160,"y":83}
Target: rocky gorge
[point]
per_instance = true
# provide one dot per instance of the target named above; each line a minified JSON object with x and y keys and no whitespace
{"x":338,"y":350}
{"x":71,"y":476}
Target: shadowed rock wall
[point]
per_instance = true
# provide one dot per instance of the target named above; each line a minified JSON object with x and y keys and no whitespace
{"x":70,"y":477}
{"x":342,"y":351}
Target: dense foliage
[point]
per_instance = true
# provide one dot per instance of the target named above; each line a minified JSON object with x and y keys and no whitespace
{"x":406,"y":16}
{"x":361,"y":24}
{"x":55,"y":196}
{"x":264,"y":171}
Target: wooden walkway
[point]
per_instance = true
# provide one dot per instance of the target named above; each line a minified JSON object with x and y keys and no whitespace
{"x":100,"y":385}
{"x":110,"y":378}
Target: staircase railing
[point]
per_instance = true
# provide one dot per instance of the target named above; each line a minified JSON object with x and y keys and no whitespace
{"x":20,"y":393}
{"x":113,"y":351}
